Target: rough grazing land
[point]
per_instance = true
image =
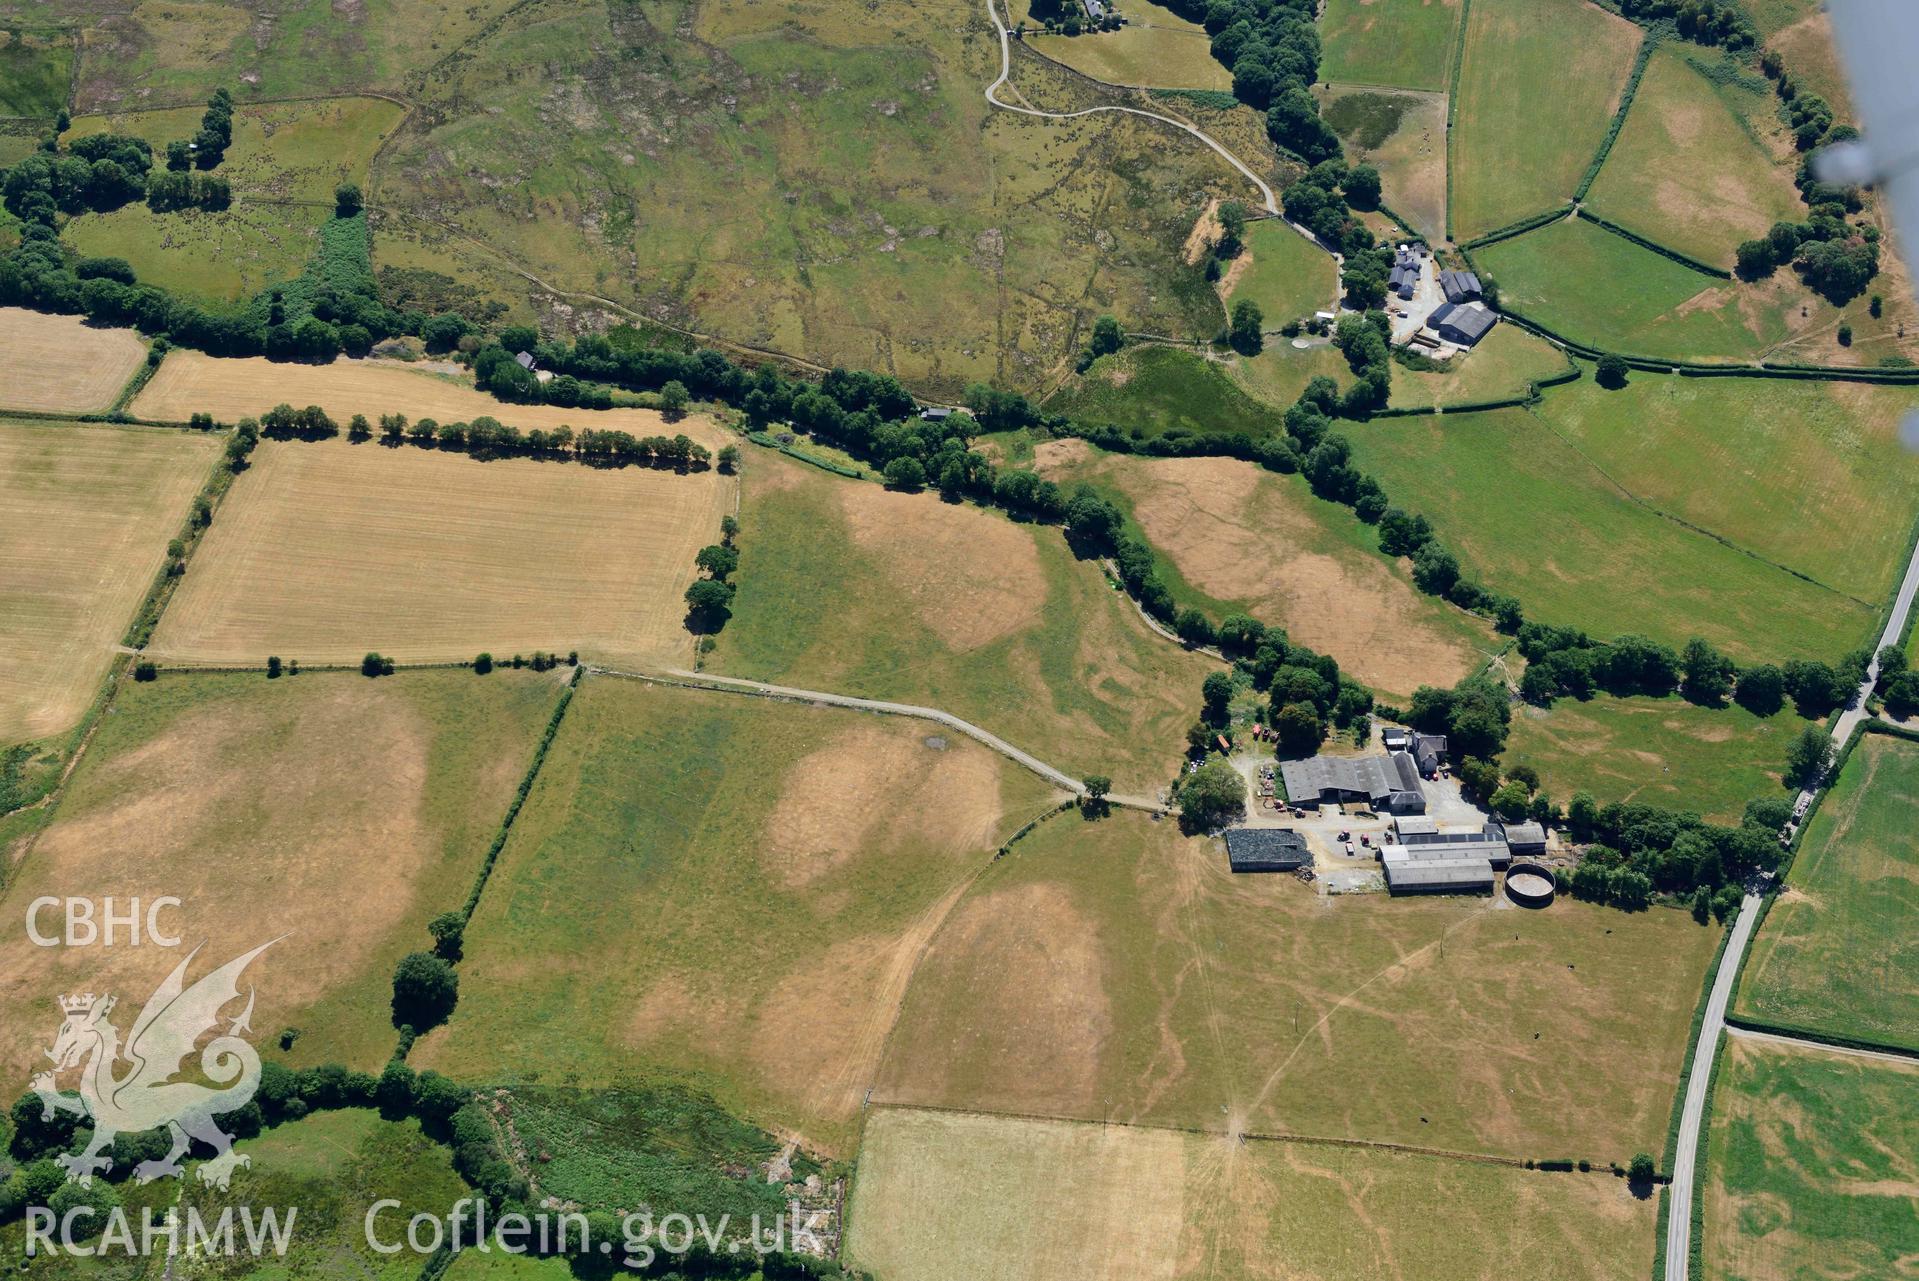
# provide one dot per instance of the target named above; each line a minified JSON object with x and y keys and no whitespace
{"x":943,"y":1195}
{"x":1528,"y":514}
{"x":1119,"y":971}
{"x":1662,"y":751}
{"x":1813,"y":1167}
{"x":1839,"y":952}
{"x":847,"y":587}
{"x":1403,"y":135}
{"x":269,"y":807}
{"x":61,"y":364}
{"x":724,"y":889}
{"x":215,"y":258}
{"x":325,"y":551}
{"x":1156,"y":49}
{"x":1263,"y":543}
{"x":1538,"y":88}
{"x":1149,"y":390}
{"x":1408,"y":43}
{"x":85,"y":515}
{"x":191,"y":382}
{"x":1686,"y":173}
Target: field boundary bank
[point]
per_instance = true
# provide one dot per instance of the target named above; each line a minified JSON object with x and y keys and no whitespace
{"x":1259,"y":1136}
{"x":1452,"y":105}
{"x":1649,"y":41}
{"x":1813,"y":1039}
{"x":790,"y":694}
{"x":518,"y":803}
{"x":1646,"y":242}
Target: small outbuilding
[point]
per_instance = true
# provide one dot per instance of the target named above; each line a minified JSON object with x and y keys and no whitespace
{"x":935,"y":413}
{"x":1526,"y":838}
{"x":1266,"y":849}
{"x":525,"y":361}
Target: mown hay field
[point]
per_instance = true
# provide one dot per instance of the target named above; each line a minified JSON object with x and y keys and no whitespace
{"x":85,"y":515}
{"x":1237,"y":538}
{"x":280,"y":150}
{"x":848,"y":587}
{"x":1407,"y":43}
{"x":1156,"y":49}
{"x":727,"y":891}
{"x":1812,"y":1166}
{"x":1403,"y":135}
{"x":1838,"y":953}
{"x":216,"y":258}
{"x":1659,"y":751}
{"x":270,"y":808}
{"x":1505,"y":363}
{"x":1730,"y":454}
{"x":1539,"y":83}
{"x":1288,"y":275}
{"x":1687,"y":171}
{"x":1119,"y":971}
{"x":63,"y":365}
{"x":942,"y":1195}
{"x":323,"y":551}
{"x":191,"y":382}
{"x":1528,"y":514}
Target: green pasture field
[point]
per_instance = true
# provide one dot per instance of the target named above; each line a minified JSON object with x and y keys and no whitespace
{"x":1150,"y":389}
{"x":333,"y":1166}
{"x":846,"y":587}
{"x":723,"y":892}
{"x":1289,"y":276}
{"x":1119,"y":971}
{"x":1156,"y":49}
{"x":943,"y":1195}
{"x":1507,"y":362}
{"x":1659,"y":751}
{"x":1403,"y":135}
{"x":1527,"y":514}
{"x":1688,"y":171}
{"x":35,"y":75}
{"x":1539,"y":84}
{"x":1729,"y":454}
{"x":213,"y":258}
{"x":269,"y":806}
{"x":1811,"y":1168}
{"x":1406,"y":43}
{"x":281,"y":150}
{"x":177,"y":52}
{"x":1838,"y":953}
{"x":1278,"y":375}
{"x":840,"y":188}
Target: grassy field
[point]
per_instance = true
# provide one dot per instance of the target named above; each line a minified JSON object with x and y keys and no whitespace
{"x":1506,"y":362}
{"x":1806,"y":44}
{"x":727,"y":890}
{"x":1661,"y":751}
{"x":1288,"y":275}
{"x":1811,"y":1169}
{"x":1403,"y":135}
{"x":85,"y":515}
{"x":35,"y":74}
{"x":229,"y":389}
{"x":1687,"y":170}
{"x":1837,"y":953}
{"x":1827,"y":451}
{"x":1280,"y":373}
{"x":269,"y":808}
{"x":1538,"y":87}
{"x":1119,"y":971}
{"x":61,"y":364}
{"x":1407,"y":43}
{"x":842,"y":190}
{"x":281,"y":150}
{"x":325,"y":551}
{"x":1529,"y":515}
{"x":940,"y":1195}
{"x":1239,"y":538}
{"x":1150,"y":390}
{"x":847,"y":587}
{"x":216,"y":258}
{"x":1156,"y":49}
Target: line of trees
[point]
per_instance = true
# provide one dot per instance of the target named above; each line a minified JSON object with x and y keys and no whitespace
{"x":484,"y":437}
{"x":1565,"y":662}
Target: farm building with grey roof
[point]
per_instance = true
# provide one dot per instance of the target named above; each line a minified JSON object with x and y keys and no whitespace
{"x":1266,"y":849}
{"x":1389,"y":783}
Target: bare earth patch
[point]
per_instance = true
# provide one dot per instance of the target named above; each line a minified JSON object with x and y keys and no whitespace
{"x":61,"y":364}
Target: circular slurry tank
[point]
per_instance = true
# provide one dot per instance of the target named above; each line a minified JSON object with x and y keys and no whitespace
{"x":1530,"y":884}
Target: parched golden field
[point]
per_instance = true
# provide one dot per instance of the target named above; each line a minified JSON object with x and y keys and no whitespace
{"x":61,"y":364}
{"x":942,"y":1195}
{"x":323,"y":551}
{"x":191,"y":382}
{"x":85,"y":515}
{"x":339,"y":812}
